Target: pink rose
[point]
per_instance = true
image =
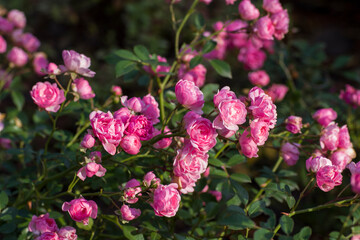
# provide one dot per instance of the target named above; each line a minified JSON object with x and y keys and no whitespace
{"x":340,"y":159}
{"x":260,"y":78}
{"x":281,"y":24}
{"x":5,"y":25}
{"x":294,"y":124}
{"x":225,"y":132}
{"x":30,"y":42}
{"x":47,"y":96}
{"x":354,"y":167}
{"x":230,"y":2}
{"x":160,"y":69}
{"x":140,"y":126}
{"x":88,"y":141}
{"x":248,"y":11}
{"x":67,"y":233}
{"x":53,"y":69}
{"x":237,"y":36}
{"x":355,"y":182}
{"x":107,"y":129}
{"x":123,"y":114}
{"x":324,"y":116}
{"x":135,"y":104}
{"x":196,"y":74}
{"x":264,"y":28}
{"x":17,"y":18}
{"x":328,"y":177}
{"x":189,"y":118}
{"x":49,"y":236}
{"x":313,"y":164}
{"x":356,"y":237}
{"x":224,"y":94}
{"x":132,"y":190}
{"x":189,"y":95}
{"x":232,"y":112}
{"x":42,"y":224}
{"x":202,"y":134}
{"x":350,"y":96}
{"x":272,"y":6}
{"x":131,"y":144}
{"x":329,"y":139}
{"x":344,"y":137}
{"x":150,"y":179}
{"x":166,"y":200}
{"x":259,"y":131}
{"x":3,"y":45}
{"x":277,"y":92}
{"x":76,"y":62}
{"x":247,"y":145}
{"x":207,"y":172}
{"x":83,"y":88}
{"x":90,"y":170}
{"x":40,"y":63}
{"x":252,"y":57}
{"x":221,"y":43}
{"x":116,"y":90}
{"x":290,"y":153}
{"x":128,"y":213}
{"x":185,"y":182}
{"x":217,"y":195}
{"x":151,"y":109}
{"x":17,"y":56}
{"x":165,"y":142}
{"x":81,"y":210}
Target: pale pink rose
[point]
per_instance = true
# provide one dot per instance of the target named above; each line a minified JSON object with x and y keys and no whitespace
{"x":264,"y":28}
{"x":131,"y":144}
{"x":294,"y":124}
{"x":357,"y":236}
{"x":165,"y":142}
{"x":328,"y":177}
{"x":140,"y":126}
{"x":236,"y":33}
{"x":355,"y":182}
{"x":3,"y":45}
{"x":52,"y":68}
{"x":351,"y":96}
{"x":329,"y":139}
{"x":226,"y":133}
{"x":232,"y":112}
{"x":202,"y":134}
{"x":324,"y":116}
{"x":252,"y":57}
{"x":313,"y":164}
{"x":134,"y":104}
{"x":344,"y":137}
{"x":160,"y":69}
{"x":83,"y":88}
{"x":260,"y":78}
{"x":88,"y":141}
{"x":151,"y":109}
{"x":47,"y":96}
{"x":340,"y":159}
{"x":17,"y":18}
{"x":196,"y":74}
{"x":272,"y":6}
{"x":42,"y":224}
{"x":259,"y":131}
{"x":290,"y":153}
{"x":166,"y":200}
{"x":189,"y":118}
{"x":90,"y":170}
{"x":354,"y":167}
{"x":67,"y":233}
{"x":248,"y":11}
{"x":40,"y":63}
{"x":224,"y":94}
{"x":132,"y":190}
{"x":108,"y":130}
{"x":189,"y":95}
{"x":17,"y":56}
{"x":349,"y":151}
{"x":81,"y":210}
{"x":217,"y":195}
{"x":277,"y":92}
{"x":255,"y":93}
{"x":128,"y":214}
{"x":49,"y":236}
{"x":150,"y":179}
{"x":30,"y":42}
{"x":185,"y":182}
{"x":247,"y":145}
{"x":76,"y":62}
{"x":281,"y":24}
{"x":116,"y":90}
{"x":5,"y":25}
{"x":123,"y":114}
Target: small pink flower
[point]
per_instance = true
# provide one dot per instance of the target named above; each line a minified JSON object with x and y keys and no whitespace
{"x":88,"y":141}
{"x":324,"y":116}
{"x":252,"y":57}
{"x":47,"y":96}
{"x":217,"y":195}
{"x":185,"y":182}
{"x":131,"y":144}
{"x":52,"y":68}
{"x":207,"y":172}
{"x":123,"y":114}
{"x":135,"y":104}
{"x":264,"y":28}
{"x":202,"y":134}
{"x":166,"y":200}
{"x":6,"y":26}
{"x":351,"y":96}
{"x":128,"y":213}
{"x":17,"y":56}
{"x":67,"y":233}
{"x":281,"y":24}
{"x":196,"y":74}
{"x":42,"y":224}
{"x":272,"y":6}
{"x":140,"y":126}
{"x":340,"y":159}
{"x":165,"y":142}
{"x":248,"y":11}
{"x":81,"y":210}
{"x":294,"y":124}
{"x":247,"y":145}
{"x":354,"y":167}
{"x":290,"y":153}
{"x":151,"y":109}
{"x":189,"y":95}
{"x":224,"y":94}
{"x":83,"y":88}
{"x":355,"y":182}
{"x":221,"y":43}
{"x":116,"y":90}
{"x":328,"y":177}
{"x":132,"y":190}
{"x":259,"y":131}
{"x":260,"y":78}
{"x":344,"y":137}
{"x":30,"y":42}
{"x":329,"y":139}
{"x":3,"y":45}
{"x":160,"y":69}
{"x":40,"y":63}
{"x":49,"y":236}
{"x":236,"y":33}
{"x":90,"y":170}
{"x":76,"y":62}
{"x":17,"y":18}
{"x":313,"y":164}
{"x":189,"y":118}
{"x":277,"y":92}
{"x":232,"y":112}
{"x":150,"y":179}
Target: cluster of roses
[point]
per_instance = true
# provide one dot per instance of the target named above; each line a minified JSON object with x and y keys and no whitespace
{"x":44,"y":228}
{"x":351,"y":96}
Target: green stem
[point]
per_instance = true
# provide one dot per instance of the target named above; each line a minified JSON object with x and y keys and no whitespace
{"x":170,"y":116}
{"x":161,"y":100}
{"x":73,"y":140}
{"x":346,"y":220}
{"x":222,"y":149}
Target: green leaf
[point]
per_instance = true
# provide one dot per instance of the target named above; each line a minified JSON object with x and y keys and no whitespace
{"x":3,"y":200}
{"x":221,"y":67}
{"x":85,"y":227}
{"x":8,"y":227}
{"x":126,"y":54}
{"x":199,"y":21}
{"x":18,"y":99}
{"x":55,"y":215}
{"x":240,"y":191}
{"x":340,"y":62}
{"x":236,"y":159}
{"x":215,"y":162}
{"x":240,"y":177}
{"x":263,"y":234}
{"x":195,"y":61}
{"x":287,"y":224}
{"x":255,"y":208}
{"x":127,"y":232}
{"x":209,"y":90}
{"x":290,"y":200}
{"x":304,"y":234}
{"x":124,"y":67}
{"x":236,"y":221}
{"x":209,"y":46}
{"x":142,"y":52}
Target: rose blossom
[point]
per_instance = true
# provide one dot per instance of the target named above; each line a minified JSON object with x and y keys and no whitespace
{"x":17,"y":18}
{"x":53,"y":69}
{"x":159,"y":68}
{"x":151,"y":109}
{"x":3,"y":45}
{"x":259,"y":131}
{"x":67,"y":233}
{"x":290,"y":153}
{"x":264,"y":28}
{"x":139,"y":125}
{"x":280,"y":20}
{"x":164,"y":142}
{"x":355,"y":182}
{"x":128,"y":213}
{"x":230,"y":2}
{"x":328,"y":177}
{"x":329,"y":139}
{"x":90,"y":170}
{"x":260,"y":78}
{"x":135,"y":104}
{"x":313,"y":164}
{"x":350,"y":96}
{"x":108,"y":130}
{"x":237,"y":37}
{"x":344,"y":137}
{"x":189,"y":118}
{"x":196,"y":74}
{"x":294,"y":124}
{"x":41,"y":224}
{"x":247,"y":145}
{"x":83,"y":88}
{"x":88,"y":141}
{"x":262,"y":106}
{"x":202,"y":134}
{"x":116,"y":90}
{"x":123,"y":114}
{"x":224,"y":94}
{"x":132,"y":189}
{"x":76,"y":62}
{"x":340,"y":159}
{"x":81,"y":210}
{"x":324,"y":116}
{"x":232,"y":112}
{"x":5,"y":25}
{"x":272,"y":6}
{"x":131,"y":144}
{"x":17,"y":56}
{"x":277,"y":92}
{"x":189,"y":95}
{"x":49,"y":236}
{"x":40,"y":63}
{"x":216,"y":194}
{"x":354,"y":167}
{"x":166,"y":200}
{"x":248,"y":11}
{"x":151,"y":179}
{"x":252,"y":57}
{"x":47,"y":96}
{"x":30,"y":42}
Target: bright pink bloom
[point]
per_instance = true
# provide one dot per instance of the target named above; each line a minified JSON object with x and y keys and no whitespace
{"x":328,"y":177}
{"x":150,"y":179}
{"x":128,"y":213}
{"x":207,"y":172}
{"x":67,"y":233}
{"x":30,"y":42}
{"x":344,"y":137}
{"x":202,"y":134}
{"x":189,"y":95}
{"x":116,"y":90}
{"x":40,"y":63}
{"x":248,"y":11}
{"x":252,"y":57}
{"x":217,"y":195}
{"x":47,"y":96}
{"x":83,"y":88}
{"x":196,"y":74}
{"x":17,"y":56}
{"x":76,"y":62}
{"x":185,"y":182}
{"x":290,"y":153}
{"x":140,"y":126}
{"x":236,"y":33}
{"x":354,"y":167}
{"x":264,"y":28}
{"x":90,"y":170}
{"x":224,"y":94}
{"x":123,"y":114}
{"x":277,"y":92}
{"x":340,"y":159}
{"x":189,"y":118}
{"x":135,"y":103}
{"x":232,"y":112}
{"x":52,"y":68}
{"x":355,"y":182}
{"x":329,"y":139}
{"x":350,"y":96}
{"x":49,"y":236}
{"x":247,"y":145}
{"x":42,"y":224}
{"x":221,"y":43}
{"x":294,"y":124}
{"x":281,"y":24}
{"x":272,"y":6}
{"x":132,"y":190}
{"x":259,"y":131}
{"x":108,"y":130}
{"x":262,"y":107}
{"x":151,"y":109}
{"x":260,"y":78}
{"x":81,"y":210}
{"x":324,"y":116}
{"x":357,"y":236}
{"x":166,"y":200}
{"x":3,"y":45}
{"x":159,"y":68}
{"x":5,"y":25}
{"x":165,"y":142}
{"x":313,"y":164}
{"x":17,"y":18}
{"x":88,"y":141}
{"x":131,"y":144}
